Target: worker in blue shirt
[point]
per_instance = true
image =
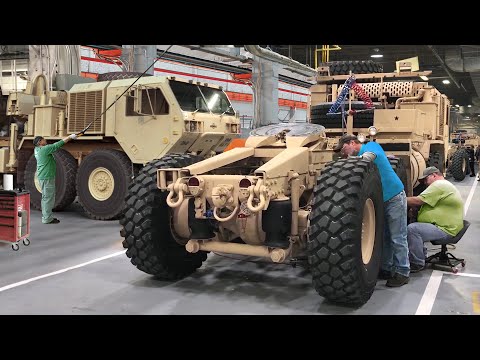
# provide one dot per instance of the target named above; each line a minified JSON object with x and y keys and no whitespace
{"x":395,"y":266}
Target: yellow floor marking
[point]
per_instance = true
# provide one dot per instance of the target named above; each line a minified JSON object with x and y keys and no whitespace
{"x":476,"y":301}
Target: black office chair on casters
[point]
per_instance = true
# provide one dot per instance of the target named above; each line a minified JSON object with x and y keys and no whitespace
{"x":444,"y":259}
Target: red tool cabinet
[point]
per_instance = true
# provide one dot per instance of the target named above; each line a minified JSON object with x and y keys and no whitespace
{"x":15,"y":217}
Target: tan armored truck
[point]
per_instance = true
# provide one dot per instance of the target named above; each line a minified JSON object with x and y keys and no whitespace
{"x":409,"y":117}
{"x":157,"y":115}
{"x":285,"y":196}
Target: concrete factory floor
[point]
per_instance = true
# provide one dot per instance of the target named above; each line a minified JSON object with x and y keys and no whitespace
{"x":79,"y":267}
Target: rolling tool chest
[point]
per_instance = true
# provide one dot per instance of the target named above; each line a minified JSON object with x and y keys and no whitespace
{"x":15,"y":217}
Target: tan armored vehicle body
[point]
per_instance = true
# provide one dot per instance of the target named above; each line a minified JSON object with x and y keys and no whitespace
{"x":410,"y":118}
{"x":153,"y":117}
{"x":282,"y":198}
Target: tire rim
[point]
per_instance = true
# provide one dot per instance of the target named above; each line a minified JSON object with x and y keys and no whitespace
{"x":37,"y":183}
{"x":368,"y":230}
{"x":101,"y":184}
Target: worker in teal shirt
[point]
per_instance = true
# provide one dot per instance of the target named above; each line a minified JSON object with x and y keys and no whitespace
{"x":46,"y":169}
{"x":395,"y":266}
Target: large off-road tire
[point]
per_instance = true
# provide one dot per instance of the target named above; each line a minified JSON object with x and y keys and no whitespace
{"x":357,"y":67}
{"x":23,"y":155}
{"x":119,"y":75}
{"x":459,"y":164}
{"x":102,"y":183}
{"x":146,"y":225}
{"x":360,"y":119}
{"x":346,"y":231}
{"x":399,"y":167}
{"x":65,"y":177}
{"x":437,"y":159}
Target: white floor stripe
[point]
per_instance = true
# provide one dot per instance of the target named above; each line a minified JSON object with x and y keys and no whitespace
{"x":60,"y":271}
{"x":463,"y":274}
{"x":470,"y":196}
{"x":428,"y":298}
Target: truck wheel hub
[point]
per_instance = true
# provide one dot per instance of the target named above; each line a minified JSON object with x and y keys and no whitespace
{"x":368,"y":230}
{"x":101,"y":183}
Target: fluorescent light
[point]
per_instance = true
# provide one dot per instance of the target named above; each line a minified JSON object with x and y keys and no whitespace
{"x":376,"y":55}
{"x":423,"y":77}
{"x":446,"y":81}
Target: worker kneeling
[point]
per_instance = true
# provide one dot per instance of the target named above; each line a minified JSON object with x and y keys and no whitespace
{"x":440,"y":216}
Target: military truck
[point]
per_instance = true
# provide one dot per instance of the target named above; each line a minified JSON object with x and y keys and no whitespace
{"x":457,"y":161}
{"x":457,"y":156}
{"x":410,"y":118}
{"x":285,"y":196}
{"x":155,"y":116}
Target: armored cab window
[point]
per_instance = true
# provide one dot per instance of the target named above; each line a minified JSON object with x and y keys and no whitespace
{"x":196,"y":98}
{"x":152,"y":102}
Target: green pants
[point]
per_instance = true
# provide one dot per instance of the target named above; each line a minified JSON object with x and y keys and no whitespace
{"x":48,"y":199}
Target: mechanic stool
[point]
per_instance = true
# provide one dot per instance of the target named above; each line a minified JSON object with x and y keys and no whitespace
{"x":443,"y":259}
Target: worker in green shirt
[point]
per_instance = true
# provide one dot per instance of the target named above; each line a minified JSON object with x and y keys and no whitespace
{"x":46,"y":169}
{"x":440,"y":215}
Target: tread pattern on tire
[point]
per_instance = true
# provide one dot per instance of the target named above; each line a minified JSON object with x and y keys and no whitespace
{"x":399,"y":167}
{"x":63,"y":159}
{"x":333,"y":234}
{"x":119,"y":75}
{"x":436,"y":159}
{"x":357,"y":67}
{"x":456,"y":164}
{"x":70,"y":176}
{"x":146,"y":226}
{"x":318,"y":115}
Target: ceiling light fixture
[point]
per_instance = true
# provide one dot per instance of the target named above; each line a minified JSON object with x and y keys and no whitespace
{"x":446,"y":81}
{"x":424,"y":78}
{"x":376,"y":53}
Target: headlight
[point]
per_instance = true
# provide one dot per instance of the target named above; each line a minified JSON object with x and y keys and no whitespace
{"x":372,"y":130}
{"x":361,"y":138}
{"x":234,"y":128}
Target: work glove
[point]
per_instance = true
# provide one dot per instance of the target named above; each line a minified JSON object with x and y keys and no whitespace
{"x":73,"y":136}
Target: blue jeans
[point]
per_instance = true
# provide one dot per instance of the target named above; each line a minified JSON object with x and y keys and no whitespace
{"x":419,"y":233}
{"x":395,"y":244}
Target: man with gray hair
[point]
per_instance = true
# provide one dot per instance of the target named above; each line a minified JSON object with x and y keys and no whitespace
{"x":46,"y":169}
{"x":440,"y":215}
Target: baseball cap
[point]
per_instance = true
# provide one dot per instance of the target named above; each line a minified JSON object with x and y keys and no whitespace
{"x":37,"y":140}
{"x":344,"y":139}
{"x":428,"y":171}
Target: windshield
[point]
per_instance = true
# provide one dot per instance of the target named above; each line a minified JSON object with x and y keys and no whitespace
{"x":192,"y":97}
